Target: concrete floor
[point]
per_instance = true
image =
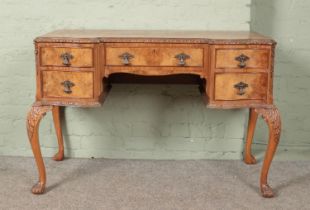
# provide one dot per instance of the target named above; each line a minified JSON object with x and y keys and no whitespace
{"x":143,"y":184}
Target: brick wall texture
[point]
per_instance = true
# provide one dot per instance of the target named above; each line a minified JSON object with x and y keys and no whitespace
{"x":150,"y":121}
{"x":288,"y":22}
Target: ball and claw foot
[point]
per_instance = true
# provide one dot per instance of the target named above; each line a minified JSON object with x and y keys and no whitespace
{"x":38,"y":188}
{"x":267,"y":191}
{"x":59,"y":156}
{"x":250,"y":160}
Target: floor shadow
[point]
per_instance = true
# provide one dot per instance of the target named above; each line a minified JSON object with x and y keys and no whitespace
{"x":276,"y":187}
{"x":81,"y":171}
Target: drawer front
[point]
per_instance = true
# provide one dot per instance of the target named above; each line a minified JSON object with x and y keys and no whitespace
{"x":67,"y":84}
{"x":66,"y":57}
{"x":242,"y":58}
{"x":247,"y":86}
{"x":154,"y":56}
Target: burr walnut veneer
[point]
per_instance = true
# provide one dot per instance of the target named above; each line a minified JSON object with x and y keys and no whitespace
{"x":73,"y":68}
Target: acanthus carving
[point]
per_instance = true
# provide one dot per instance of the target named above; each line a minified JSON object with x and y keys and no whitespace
{"x":34,"y":116}
{"x":272,"y":118}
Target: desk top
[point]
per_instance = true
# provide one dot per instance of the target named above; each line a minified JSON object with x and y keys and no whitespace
{"x":213,"y":37}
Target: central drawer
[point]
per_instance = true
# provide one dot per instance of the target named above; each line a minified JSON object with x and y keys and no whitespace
{"x":170,"y":55}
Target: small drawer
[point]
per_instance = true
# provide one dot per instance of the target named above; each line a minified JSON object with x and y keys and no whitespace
{"x":66,"y":57}
{"x":67,"y":84}
{"x":139,"y":55}
{"x":238,"y":86}
{"x":242,"y":58}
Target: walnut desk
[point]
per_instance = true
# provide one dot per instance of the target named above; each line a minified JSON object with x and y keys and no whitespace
{"x":73,"y":67}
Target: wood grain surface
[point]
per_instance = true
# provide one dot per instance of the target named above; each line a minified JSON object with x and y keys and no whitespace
{"x":81,"y":57}
{"x":256,"y":90}
{"x":83,"y":84}
{"x":154,"y":55}
{"x":226,"y":58}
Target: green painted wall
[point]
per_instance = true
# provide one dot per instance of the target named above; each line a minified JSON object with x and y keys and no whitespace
{"x":288,"y":21}
{"x":137,"y":121}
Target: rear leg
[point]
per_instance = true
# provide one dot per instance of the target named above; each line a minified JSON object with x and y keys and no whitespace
{"x":59,"y":156}
{"x":248,"y":157}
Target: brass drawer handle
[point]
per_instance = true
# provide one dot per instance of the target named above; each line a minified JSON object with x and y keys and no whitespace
{"x":66,"y":57}
{"x":126,"y":57}
{"x":242,"y":59}
{"x":67,"y":86}
{"x":241,"y":86}
{"x":182,"y":58}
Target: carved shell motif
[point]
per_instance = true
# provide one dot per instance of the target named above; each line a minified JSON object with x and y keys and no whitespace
{"x":272,"y":117}
{"x":34,"y":116}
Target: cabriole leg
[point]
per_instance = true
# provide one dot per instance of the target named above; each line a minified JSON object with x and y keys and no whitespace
{"x":248,"y":157}
{"x":272,"y":118}
{"x":34,"y":116}
{"x":57,"y":124}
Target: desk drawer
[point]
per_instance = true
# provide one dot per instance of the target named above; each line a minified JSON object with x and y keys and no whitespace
{"x":67,"y":84}
{"x":154,"y":55}
{"x":238,"y":86}
{"x":66,"y":57}
{"x":242,"y":58}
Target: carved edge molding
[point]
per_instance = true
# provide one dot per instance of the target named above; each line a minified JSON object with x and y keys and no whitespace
{"x":272,"y":117}
{"x":35,"y":114}
{"x":67,"y":40}
{"x":156,"y":40}
{"x":70,"y":103}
